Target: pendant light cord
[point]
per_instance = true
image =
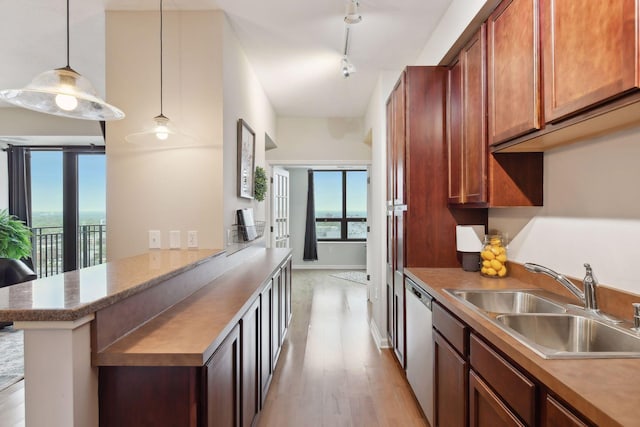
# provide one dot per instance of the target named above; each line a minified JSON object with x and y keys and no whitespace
{"x":161,"y":112}
{"x":67,"y":33}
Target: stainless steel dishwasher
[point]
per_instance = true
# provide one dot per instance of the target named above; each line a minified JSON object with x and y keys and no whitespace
{"x":420,"y":346}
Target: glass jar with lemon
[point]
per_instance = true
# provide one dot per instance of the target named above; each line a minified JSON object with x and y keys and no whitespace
{"x":493,"y":256}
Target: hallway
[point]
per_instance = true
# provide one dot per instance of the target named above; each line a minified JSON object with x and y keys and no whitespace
{"x":330,"y":372}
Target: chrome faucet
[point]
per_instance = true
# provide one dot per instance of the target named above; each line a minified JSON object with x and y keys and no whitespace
{"x":560,"y":278}
{"x":588,"y":297}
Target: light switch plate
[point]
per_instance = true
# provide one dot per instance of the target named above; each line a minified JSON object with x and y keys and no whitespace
{"x":154,"y":239}
{"x":174,"y":239}
{"x":192,"y":239}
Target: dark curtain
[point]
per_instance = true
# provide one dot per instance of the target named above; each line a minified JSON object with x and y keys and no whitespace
{"x":19,"y":159}
{"x":310,"y":240}
{"x":19,"y":168}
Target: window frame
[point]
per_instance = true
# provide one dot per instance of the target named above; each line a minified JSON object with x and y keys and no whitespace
{"x":343,"y":220}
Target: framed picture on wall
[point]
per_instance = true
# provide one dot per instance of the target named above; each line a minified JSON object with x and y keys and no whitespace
{"x":246,"y":159}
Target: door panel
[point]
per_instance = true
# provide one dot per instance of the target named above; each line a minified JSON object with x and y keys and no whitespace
{"x":280,"y":208}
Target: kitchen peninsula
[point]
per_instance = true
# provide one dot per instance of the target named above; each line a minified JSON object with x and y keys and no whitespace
{"x":114,"y":314}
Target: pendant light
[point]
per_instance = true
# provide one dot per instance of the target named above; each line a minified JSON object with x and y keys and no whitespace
{"x":62,"y":92}
{"x":161,"y":130}
{"x":352,"y":16}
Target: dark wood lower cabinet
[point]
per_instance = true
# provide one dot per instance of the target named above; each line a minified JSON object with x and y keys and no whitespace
{"x":251,"y":391}
{"x":475,"y":385}
{"x":558,"y":415}
{"x":451,"y":376}
{"x":266,"y":340}
{"x":227,"y":391}
{"x":222,"y":384}
{"x":133,"y":396}
{"x":275,"y":321}
{"x":485,"y":407}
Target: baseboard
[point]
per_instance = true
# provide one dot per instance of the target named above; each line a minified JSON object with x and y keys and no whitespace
{"x":327,"y":267}
{"x":379,"y":340}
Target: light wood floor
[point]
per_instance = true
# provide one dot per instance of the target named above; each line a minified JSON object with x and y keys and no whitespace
{"x":12,"y":405}
{"x":330,"y":372}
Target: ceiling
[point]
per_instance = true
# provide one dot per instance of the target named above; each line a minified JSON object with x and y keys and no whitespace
{"x":294,"y":46}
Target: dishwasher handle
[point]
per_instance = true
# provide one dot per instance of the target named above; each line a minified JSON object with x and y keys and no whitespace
{"x":422,"y":295}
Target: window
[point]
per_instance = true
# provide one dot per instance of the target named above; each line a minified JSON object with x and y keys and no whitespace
{"x":67,"y":194}
{"x":341,"y":205}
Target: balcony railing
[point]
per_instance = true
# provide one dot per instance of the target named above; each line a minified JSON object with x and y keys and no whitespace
{"x":48,"y":251}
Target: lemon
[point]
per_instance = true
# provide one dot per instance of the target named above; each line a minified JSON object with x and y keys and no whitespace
{"x":502,"y":258}
{"x":483,"y":270}
{"x":491,"y":271}
{"x":503,"y":271}
{"x":496,"y":265}
{"x":488,"y":255}
{"x":496,"y":250}
{"x":486,"y":263}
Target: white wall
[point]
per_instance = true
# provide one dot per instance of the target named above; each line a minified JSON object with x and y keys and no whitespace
{"x":208,"y":85}
{"x":302,"y":140}
{"x":591,"y":212}
{"x":243,"y":98}
{"x":333,"y":255}
{"x":164,"y":189}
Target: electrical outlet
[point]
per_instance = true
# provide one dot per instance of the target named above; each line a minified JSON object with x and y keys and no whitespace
{"x":174,"y":239}
{"x":192,"y":239}
{"x":154,"y":239}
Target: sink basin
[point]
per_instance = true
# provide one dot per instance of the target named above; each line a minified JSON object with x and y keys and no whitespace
{"x":568,"y":335}
{"x":508,"y":301}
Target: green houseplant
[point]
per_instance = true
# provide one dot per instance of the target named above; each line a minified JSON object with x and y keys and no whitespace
{"x":260,"y":184}
{"x":15,"y":237}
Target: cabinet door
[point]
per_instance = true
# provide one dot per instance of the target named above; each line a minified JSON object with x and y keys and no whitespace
{"x":589,"y":53}
{"x":485,"y":407}
{"x":399,"y":315}
{"x":399,"y":140}
{"x":467,"y":136}
{"x":557,"y":415}
{"x":513,"y":70}
{"x":222,"y":382}
{"x":275,"y":320}
{"x":266,"y":340}
{"x":286,"y":270}
{"x":473,"y":59}
{"x":455,"y":132}
{"x":250,"y":392}
{"x":450,"y":384}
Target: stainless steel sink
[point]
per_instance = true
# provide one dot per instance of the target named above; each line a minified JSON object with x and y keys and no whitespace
{"x":508,"y":301}
{"x":571,"y":336}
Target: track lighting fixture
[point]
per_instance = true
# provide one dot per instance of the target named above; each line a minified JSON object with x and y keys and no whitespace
{"x":352,"y":15}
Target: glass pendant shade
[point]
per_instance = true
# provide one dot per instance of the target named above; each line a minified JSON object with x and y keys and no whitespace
{"x":161,"y":131}
{"x":62,"y":92}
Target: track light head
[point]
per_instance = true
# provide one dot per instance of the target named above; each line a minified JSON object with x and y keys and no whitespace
{"x":347,"y":67}
{"x":352,"y":16}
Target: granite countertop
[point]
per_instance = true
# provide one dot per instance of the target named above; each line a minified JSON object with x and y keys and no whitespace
{"x":73,"y":295}
{"x":604,"y":390}
{"x":189,"y":332}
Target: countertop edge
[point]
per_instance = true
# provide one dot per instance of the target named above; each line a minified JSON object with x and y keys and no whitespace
{"x":75,"y":313}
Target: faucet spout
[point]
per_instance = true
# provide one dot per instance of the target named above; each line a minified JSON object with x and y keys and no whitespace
{"x":536,"y":268}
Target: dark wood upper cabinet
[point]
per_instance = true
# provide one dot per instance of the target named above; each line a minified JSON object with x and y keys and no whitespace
{"x":478,"y":178}
{"x":590,"y":53}
{"x":467,"y":137}
{"x":513,"y":70}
